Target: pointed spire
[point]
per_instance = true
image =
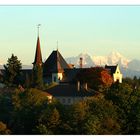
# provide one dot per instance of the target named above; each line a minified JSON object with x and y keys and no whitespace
{"x":38,"y":55}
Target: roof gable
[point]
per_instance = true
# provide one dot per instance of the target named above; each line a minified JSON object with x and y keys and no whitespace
{"x":55,"y":63}
{"x":112,"y":69}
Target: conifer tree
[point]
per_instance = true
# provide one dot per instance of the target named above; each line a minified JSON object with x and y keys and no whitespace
{"x":13,"y":71}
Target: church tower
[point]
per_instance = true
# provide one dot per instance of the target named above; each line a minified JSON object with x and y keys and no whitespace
{"x":38,"y":55}
{"x":37,"y":66}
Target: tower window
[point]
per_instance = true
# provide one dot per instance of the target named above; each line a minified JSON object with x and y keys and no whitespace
{"x":69,"y":100}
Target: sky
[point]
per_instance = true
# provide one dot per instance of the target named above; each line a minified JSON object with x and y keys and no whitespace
{"x":97,"y":30}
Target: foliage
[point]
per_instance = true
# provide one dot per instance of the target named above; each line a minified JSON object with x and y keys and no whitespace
{"x":27,"y":106}
{"x":42,"y":129}
{"x":114,"y":111}
{"x":3,"y":129}
{"x":13,"y":71}
{"x":101,"y":117}
{"x":96,"y":77}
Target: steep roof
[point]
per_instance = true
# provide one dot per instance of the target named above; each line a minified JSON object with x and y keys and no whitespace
{"x":38,"y":55}
{"x":112,"y":69}
{"x":69,"y":90}
{"x":55,"y":63}
{"x":70,"y":74}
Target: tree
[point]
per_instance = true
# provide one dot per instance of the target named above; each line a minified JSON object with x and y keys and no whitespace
{"x":38,"y":76}
{"x":28,"y":106}
{"x":124,"y":96}
{"x":96,"y":77}
{"x":101,"y":117}
{"x":92,"y":116}
{"x":13,"y":71}
{"x":49,"y":120}
{"x":42,"y":129}
{"x":3,"y":129}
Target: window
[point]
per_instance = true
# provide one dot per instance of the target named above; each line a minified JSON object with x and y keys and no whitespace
{"x":54,"y":79}
{"x":69,"y":100}
{"x":63,"y":100}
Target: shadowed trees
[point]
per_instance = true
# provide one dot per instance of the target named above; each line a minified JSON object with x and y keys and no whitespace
{"x":13,"y":71}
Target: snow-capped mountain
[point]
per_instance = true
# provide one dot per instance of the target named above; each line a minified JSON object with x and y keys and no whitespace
{"x":112,"y":59}
{"x":87,"y":60}
{"x":128,"y":67}
{"x":117,"y":58}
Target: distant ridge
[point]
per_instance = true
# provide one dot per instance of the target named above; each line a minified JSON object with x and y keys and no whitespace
{"x":129,"y":68}
{"x":23,"y":67}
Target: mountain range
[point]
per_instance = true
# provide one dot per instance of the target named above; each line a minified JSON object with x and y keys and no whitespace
{"x":129,"y":68}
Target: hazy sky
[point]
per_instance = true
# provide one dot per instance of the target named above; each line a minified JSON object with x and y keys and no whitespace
{"x":97,"y":30}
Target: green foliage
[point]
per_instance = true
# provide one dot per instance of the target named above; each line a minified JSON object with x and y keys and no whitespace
{"x":115,"y":111}
{"x":27,"y":107}
{"x":42,"y":130}
{"x":91,"y":116}
{"x":101,"y":117}
{"x":13,"y":71}
{"x":3,"y":129}
{"x":50,"y":118}
{"x":38,"y":76}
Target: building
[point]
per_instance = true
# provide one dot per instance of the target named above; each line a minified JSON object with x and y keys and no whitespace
{"x":69,"y":94}
{"x":54,"y":67}
{"x":115,"y":72}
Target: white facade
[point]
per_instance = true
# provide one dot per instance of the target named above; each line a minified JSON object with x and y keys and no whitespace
{"x":56,"y":77}
{"x":117,"y":76}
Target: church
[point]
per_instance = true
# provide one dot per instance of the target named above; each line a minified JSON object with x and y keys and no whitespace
{"x":56,"y":69}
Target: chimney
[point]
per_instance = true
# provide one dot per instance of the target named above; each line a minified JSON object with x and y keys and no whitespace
{"x":81,"y":62}
{"x":78,"y":86}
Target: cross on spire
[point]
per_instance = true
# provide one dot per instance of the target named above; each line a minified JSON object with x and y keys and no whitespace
{"x":38,"y":28}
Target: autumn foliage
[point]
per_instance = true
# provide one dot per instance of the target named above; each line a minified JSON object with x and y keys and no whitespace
{"x":95,"y":77}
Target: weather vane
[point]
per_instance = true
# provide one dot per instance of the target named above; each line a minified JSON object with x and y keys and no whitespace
{"x":38,"y":28}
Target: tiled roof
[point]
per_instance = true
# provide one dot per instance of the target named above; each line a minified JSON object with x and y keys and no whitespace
{"x":112,"y":69}
{"x":69,"y":90}
{"x":70,"y":74}
{"x":38,"y":56}
{"x":55,"y":63}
